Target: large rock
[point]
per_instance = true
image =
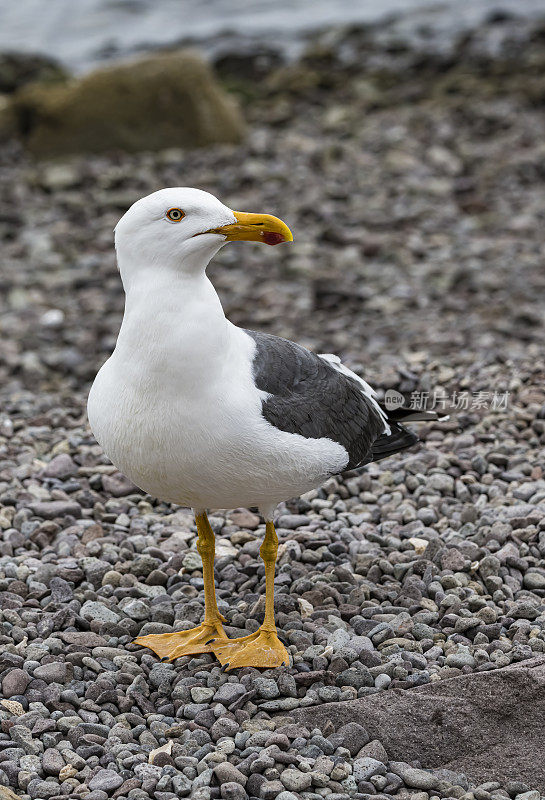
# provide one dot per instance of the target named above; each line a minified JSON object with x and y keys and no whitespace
{"x":488,"y":725}
{"x":169,"y":100}
{"x":18,"y":69}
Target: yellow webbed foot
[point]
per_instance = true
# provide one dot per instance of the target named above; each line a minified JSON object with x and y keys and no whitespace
{"x":169,"y":646}
{"x":262,"y":649}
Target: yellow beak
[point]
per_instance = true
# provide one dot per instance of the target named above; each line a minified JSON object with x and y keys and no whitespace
{"x":255,"y":228}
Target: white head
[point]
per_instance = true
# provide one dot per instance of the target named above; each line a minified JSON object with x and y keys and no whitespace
{"x":182,"y":229}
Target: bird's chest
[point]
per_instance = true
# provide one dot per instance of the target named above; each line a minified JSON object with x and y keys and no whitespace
{"x":166,"y":438}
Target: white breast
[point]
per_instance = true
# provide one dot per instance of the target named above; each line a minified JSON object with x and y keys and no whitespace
{"x":176,"y":409}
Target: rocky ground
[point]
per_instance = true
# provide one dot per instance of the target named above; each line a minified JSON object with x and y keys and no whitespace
{"x":414,"y":187}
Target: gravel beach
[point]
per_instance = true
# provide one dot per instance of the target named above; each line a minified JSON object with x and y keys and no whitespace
{"x":414,"y":184}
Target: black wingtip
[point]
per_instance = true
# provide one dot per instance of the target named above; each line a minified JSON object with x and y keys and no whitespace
{"x":399,"y":438}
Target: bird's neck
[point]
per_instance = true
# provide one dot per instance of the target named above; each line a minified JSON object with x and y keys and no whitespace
{"x":173,"y":326}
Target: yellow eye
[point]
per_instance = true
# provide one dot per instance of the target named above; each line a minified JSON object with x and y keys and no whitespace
{"x":175,"y":214}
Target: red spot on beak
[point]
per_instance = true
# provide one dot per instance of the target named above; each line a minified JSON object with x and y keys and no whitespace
{"x":273,"y":238}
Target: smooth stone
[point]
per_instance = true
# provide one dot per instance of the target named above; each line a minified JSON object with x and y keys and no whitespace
{"x":15,"y":682}
{"x":106,"y":780}
{"x":366,"y":767}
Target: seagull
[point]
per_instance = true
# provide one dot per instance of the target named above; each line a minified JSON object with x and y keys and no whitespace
{"x":199,"y":412}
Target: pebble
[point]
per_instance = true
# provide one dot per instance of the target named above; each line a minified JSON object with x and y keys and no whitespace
{"x":223,"y":727}
{"x":292,"y":521}
{"x":243,"y":518}
{"x":366,"y":767}
{"x":228,"y":773}
{"x":419,"y":779}
{"x":460,"y":659}
{"x":54,"y":672}
{"x":382,"y":681}
{"x":61,"y":467}
{"x":375,"y":750}
{"x":534,"y":580}
{"x":266,"y":688}
{"x":53,"y":761}
{"x":229,"y":693}
{"x":353,"y":736}
{"x":105,"y":780}
{"x":296,"y":781}
{"x":233,"y":791}
{"x":40,"y":790}
{"x":201,"y":694}
{"x":56,"y":508}
{"x":118,"y":485}
{"x":92,"y":610}
{"x":15,"y":682}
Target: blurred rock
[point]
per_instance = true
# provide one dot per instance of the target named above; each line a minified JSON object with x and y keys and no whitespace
{"x":159,"y":102}
{"x":18,"y":69}
{"x":250,"y":64}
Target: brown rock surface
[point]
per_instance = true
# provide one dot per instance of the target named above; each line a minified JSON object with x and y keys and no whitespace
{"x":163,"y":101}
{"x":488,"y":725}
{"x":8,"y":794}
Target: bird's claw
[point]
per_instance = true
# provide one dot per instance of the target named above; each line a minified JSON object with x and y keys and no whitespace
{"x":262,"y":649}
{"x":169,"y":646}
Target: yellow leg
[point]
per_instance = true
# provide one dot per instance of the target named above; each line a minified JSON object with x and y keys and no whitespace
{"x":262,"y":648}
{"x":196,"y":640}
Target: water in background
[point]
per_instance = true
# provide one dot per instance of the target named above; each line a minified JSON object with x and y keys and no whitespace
{"x":82,"y":33}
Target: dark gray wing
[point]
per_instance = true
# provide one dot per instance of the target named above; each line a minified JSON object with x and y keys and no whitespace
{"x":310,"y":397}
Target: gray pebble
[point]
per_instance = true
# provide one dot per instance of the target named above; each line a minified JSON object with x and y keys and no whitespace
{"x":223,"y":727}
{"x":366,"y":767}
{"x":228,"y":773}
{"x":105,"y":780}
{"x":295,"y":781}
{"x":15,"y":682}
